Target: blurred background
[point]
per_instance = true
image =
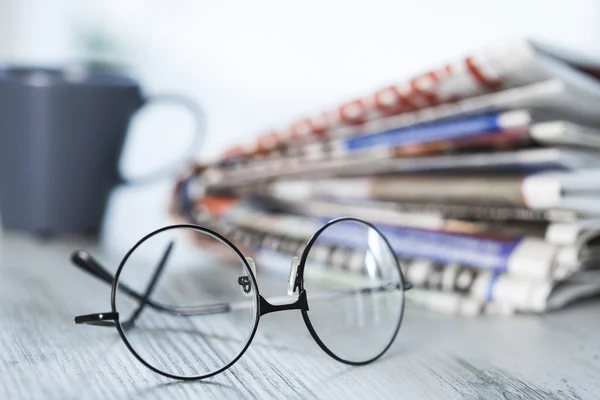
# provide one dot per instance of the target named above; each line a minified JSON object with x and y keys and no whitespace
{"x":256,"y":65}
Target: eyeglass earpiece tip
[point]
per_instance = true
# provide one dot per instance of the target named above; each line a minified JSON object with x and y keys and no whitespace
{"x":80,"y":256}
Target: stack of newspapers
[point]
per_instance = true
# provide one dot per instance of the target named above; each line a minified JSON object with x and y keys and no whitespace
{"x":483,"y":174}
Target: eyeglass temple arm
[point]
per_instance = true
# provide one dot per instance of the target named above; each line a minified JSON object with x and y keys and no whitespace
{"x":108,"y":319}
{"x":227,"y":307}
{"x":86,"y":262}
{"x":151,"y":285}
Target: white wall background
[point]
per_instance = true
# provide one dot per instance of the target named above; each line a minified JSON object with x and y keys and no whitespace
{"x":255,"y":64}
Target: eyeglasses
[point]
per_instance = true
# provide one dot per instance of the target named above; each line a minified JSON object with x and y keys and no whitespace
{"x":196,"y":318}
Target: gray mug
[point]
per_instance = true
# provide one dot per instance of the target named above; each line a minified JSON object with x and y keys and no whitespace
{"x":61,"y":136}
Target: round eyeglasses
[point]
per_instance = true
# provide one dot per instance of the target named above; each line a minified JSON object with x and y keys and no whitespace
{"x":187,"y":321}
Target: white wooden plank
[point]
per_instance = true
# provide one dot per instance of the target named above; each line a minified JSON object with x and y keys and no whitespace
{"x":43,"y":355}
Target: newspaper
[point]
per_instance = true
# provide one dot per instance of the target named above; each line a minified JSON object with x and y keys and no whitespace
{"x":496,"y":68}
{"x":408,"y":211}
{"x":577,"y":190}
{"x":495,"y":131}
{"x":446,"y":287}
{"x":482,"y":174}
{"x":538,"y":159}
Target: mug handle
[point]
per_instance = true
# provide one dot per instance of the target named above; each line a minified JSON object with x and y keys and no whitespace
{"x":199,"y":133}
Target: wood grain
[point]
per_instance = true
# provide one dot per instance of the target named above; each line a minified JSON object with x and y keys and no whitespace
{"x":43,"y":355}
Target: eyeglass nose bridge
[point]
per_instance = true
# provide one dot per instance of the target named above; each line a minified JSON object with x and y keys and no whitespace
{"x":301,"y":304}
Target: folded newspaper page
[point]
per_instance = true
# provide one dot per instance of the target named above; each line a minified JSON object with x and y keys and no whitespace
{"x":529,"y":160}
{"x":489,"y":131}
{"x":405,"y":211}
{"x":516,"y":274}
{"x":576,"y":190}
{"x":492,"y":69}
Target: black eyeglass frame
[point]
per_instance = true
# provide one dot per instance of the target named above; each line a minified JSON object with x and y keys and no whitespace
{"x":262,"y":305}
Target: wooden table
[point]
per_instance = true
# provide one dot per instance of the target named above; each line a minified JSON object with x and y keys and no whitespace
{"x":43,"y":355}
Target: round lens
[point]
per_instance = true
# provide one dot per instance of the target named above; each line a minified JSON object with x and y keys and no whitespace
{"x":187,"y":302}
{"x":355,"y":291}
